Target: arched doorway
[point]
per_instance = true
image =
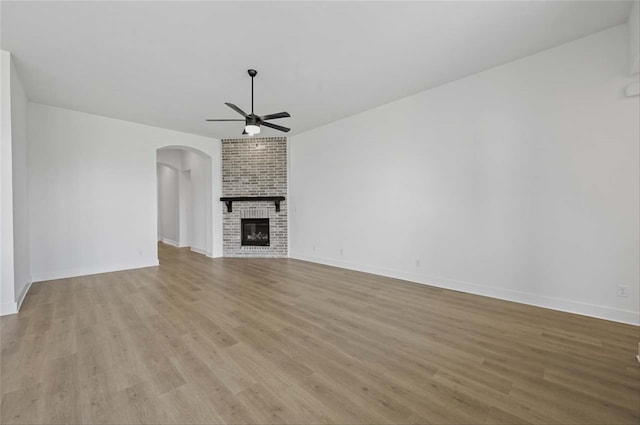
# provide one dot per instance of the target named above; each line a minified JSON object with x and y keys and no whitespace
{"x":184,"y":198}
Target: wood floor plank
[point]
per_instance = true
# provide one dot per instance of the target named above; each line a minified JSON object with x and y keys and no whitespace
{"x":279,"y":341}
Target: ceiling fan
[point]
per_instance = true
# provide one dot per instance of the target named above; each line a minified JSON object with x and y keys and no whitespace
{"x":253,"y":121}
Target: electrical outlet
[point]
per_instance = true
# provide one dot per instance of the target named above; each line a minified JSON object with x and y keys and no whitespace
{"x":341,"y":251}
{"x":417,"y":263}
{"x":314,"y":248}
{"x":623,"y":291}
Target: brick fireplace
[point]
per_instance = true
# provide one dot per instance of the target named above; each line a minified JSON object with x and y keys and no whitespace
{"x":254,"y":167}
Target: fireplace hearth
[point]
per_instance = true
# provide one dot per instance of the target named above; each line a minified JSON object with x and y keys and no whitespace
{"x":255,"y":231}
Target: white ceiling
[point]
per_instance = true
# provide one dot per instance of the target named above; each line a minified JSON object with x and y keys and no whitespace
{"x":173,"y":64}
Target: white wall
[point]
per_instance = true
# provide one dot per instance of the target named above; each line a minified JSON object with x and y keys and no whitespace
{"x":633,"y":25}
{"x":14,"y":225}
{"x":168,"y":197}
{"x":93,"y":184}
{"x":22,"y":268}
{"x":171,"y":157}
{"x":200,"y":173}
{"x":185,"y":209}
{"x":169,"y":204}
{"x":194,"y":207}
{"x":520,"y":182}
{"x":7,"y":288}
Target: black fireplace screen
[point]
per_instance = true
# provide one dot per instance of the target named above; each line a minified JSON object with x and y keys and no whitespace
{"x":255,"y":231}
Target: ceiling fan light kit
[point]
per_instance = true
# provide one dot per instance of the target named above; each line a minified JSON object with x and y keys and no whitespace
{"x":252,"y":121}
{"x":252,"y":129}
{"x":251,"y":126}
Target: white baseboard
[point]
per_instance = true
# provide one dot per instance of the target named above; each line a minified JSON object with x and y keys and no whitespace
{"x":14,"y":307}
{"x":597,"y":311}
{"x":171,"y":242}
{"x":8,"y":308}
{"x":24,"y":294}
{"x":86,"y":271}
{"x":200,"y":251}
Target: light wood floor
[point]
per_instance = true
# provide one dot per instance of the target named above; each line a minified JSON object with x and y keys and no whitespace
{"x":283,"y":341}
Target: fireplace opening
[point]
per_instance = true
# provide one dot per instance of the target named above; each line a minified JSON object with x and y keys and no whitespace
{"x":255,"y":231}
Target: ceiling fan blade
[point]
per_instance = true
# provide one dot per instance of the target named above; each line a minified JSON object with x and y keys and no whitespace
{"x":226,"y":120}
{"x":275,"y":116}
{"x":235,"y":108}
{"x":275,"y":127}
